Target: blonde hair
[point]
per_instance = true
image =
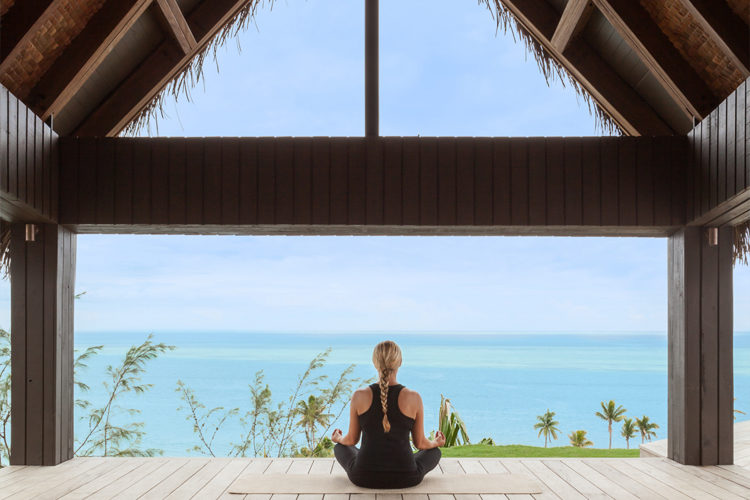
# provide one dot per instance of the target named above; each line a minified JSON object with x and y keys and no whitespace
{"x":387,"y":359}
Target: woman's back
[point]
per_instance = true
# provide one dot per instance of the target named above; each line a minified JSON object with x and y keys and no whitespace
{"x":383,"y":451}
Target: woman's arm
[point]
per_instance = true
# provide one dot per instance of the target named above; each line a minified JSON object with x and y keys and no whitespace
{"x":352,"y":437}
{"x":417,"y":432}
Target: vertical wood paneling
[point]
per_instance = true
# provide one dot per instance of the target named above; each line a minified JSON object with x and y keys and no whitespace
{"x":738,"y":152}
{"x":212,"y":184}
{"x":411,"y":181}
{"x":160,"y":182}
{"x":722,"y":164}
{"x":284,"y":199}
{"x":483,"y":207}
{"x":177,"y":209}
{"x":428,"y":182}
{"x":662,"y":165}
{"x":374,"y":192}
{"x":709,"y":353}
{"x":393,"y":179}
{"x":339,"y":181}
{"x":465,"y":174}
{"x":230,"y":181}
{"x":34,"y":376}
{"x":519,"y":180}
{"x":4,"y":133}
{"x":357,"y":190}
{"x":248,"y":181}
{"x":591,"y":180}
{"x":13,"y":138}
{"x":69,"y":180}
{"x":321,"y":181}
{"x":627,"y":181}
{"x":555,"y":181}
{"x":706,"y":184}
{"x":537,"y":166}
{"x":87,"y":180}
{"x":37,"y":174}
{"x":30,"y":164}
{"x":610,"y":181}
{"x":573,"y":183}
{"x":645,"y":172}
{"x":141,"y":182}
{"x":303,"y":210}
{"x":446,"y":181}
{"x":105,"y":181}
{"x":22,"y":157}
{"x":51,"y":350}
{"x":680,"y":180}
{"x":501,"y":182}
{"x":194,"y":164}
{"x":724,"y":362}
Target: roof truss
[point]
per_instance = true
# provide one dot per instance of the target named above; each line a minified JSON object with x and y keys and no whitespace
{"x":574,"y":18}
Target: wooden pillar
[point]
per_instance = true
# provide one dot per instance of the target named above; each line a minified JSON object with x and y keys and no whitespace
{"x":42,"y":286}
{"x":701,"y":395}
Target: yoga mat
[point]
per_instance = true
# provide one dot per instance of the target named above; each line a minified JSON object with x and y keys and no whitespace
{"x":433,"y":483}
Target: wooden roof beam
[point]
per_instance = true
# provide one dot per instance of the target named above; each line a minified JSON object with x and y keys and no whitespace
{"x":19,"y":24}
{"x":675,"y":74}
{"x":84,"y":55}
{"x":724,"y":28}
{"x":634,"y":115}
{"x":573,"y":20}
{"x":153,"y":74}
{"x":174,"y":21}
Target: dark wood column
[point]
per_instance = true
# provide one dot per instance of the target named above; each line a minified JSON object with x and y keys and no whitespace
{"x":701,"y":391}
{"x":42,"y":288}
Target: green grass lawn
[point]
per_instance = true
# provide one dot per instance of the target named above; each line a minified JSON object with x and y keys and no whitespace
{"x":517,"y":450}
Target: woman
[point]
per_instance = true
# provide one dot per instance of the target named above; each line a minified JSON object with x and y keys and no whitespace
{"x":386,"y":413}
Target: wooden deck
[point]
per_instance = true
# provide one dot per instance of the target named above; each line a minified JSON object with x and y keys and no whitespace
{"x":741,"y":446}
{"x":202,"y":478}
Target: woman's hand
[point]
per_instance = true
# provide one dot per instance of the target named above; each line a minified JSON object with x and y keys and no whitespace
{"x":439,"y":439}
{"x":336,"y":436}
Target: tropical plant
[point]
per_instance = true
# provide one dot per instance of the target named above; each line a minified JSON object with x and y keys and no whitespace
{"x":579,"y":439}
{"x":629,"y":430}
{"x":451,"y":425}
{"x":104,"y":436}
{"x":312,"y":413}
{"x":487,"y":441}
{"x":203,"y":420}
{"x":738,"y":412}
{"x":4,"y":396}
{"x":547,"y":425}
{"x":646,"y":428}
{"x":611,"y":413}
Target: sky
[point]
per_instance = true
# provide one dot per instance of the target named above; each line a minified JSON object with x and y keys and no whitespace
{"x":445,"y":70}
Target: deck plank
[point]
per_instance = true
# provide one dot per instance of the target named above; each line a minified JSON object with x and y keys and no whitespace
{"x":618,"y":477}
{"x":516,"y":467}
{"x":321,"y":466}
{"x":552,"y":480}
{"x":124,"y":482}
{"x":577,"y":481}
{"x":200,"y":478}
{"x":693,"y":488}
{"x":58,"y":484}
{"x":100,"y":481}
{"x":493,"y":466}
{"x":706,"y":474}
{"x":601,"y":481}
{"x":175,"y":480}
{"x":451,"y":466}
{"x":472,"y":466}
{"x":145,"y":483}
{"x":301,"y":466}
{"x":686,"y":478}
{"x":216,"y":487}
{"x":652,"y":483}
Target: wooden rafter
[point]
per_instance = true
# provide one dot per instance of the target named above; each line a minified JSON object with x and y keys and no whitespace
{"x":674,"y":73}
{"x":84,"y":55}
{"x":174,"y":21}
{"x":19,"y":24}
{"x":157,"y":70}
{"x":574,"y":18}
{"x":725,"y":28}
{"x":613,"y":94}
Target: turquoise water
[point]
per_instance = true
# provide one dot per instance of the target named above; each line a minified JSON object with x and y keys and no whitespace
{"x":497,"y":382}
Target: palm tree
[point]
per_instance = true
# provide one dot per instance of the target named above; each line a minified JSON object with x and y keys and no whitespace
{"x":611,"y":413}
{"x":646,"y":427}
{"x":311,"y":415}
{"x":579,"y":439}
{"x":629,"y":430}
{"x":547,"y":425}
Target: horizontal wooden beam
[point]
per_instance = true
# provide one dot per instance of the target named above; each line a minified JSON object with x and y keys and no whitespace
{"x":645,"y":37}
{"x":176,"y":24}
{"x":19,"y":24}
{"x":574,"y":18}
{"x":392,"y":185}
{"x":157,"y":70}
{"x":84,"y":55}
{"x":611,"y":92}
{"x":725,"y":29}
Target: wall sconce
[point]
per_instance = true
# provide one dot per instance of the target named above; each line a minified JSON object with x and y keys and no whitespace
{"x":713,"y":236}
{"x":31,"y":230}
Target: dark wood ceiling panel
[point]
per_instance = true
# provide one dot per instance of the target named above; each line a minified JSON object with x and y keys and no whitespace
{"x":637,"y":27}
{"x":84,"y":55}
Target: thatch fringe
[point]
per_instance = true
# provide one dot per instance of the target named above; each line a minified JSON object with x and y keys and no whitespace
{"x":742,"y":243}
{"x":550,"y":67}
{"x":183,"y":83}
{"x":4,"y":249}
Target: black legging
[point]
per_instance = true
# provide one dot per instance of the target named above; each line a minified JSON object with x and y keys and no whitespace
{"x":426,"y":461}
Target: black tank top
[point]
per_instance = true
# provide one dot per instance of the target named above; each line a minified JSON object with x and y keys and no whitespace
{"x":381,"y":451}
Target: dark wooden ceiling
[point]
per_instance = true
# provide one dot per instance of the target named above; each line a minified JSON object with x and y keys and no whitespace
{"x":655,"y":66}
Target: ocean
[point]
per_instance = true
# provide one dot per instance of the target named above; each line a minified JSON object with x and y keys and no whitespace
{"x":498,"y":383}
